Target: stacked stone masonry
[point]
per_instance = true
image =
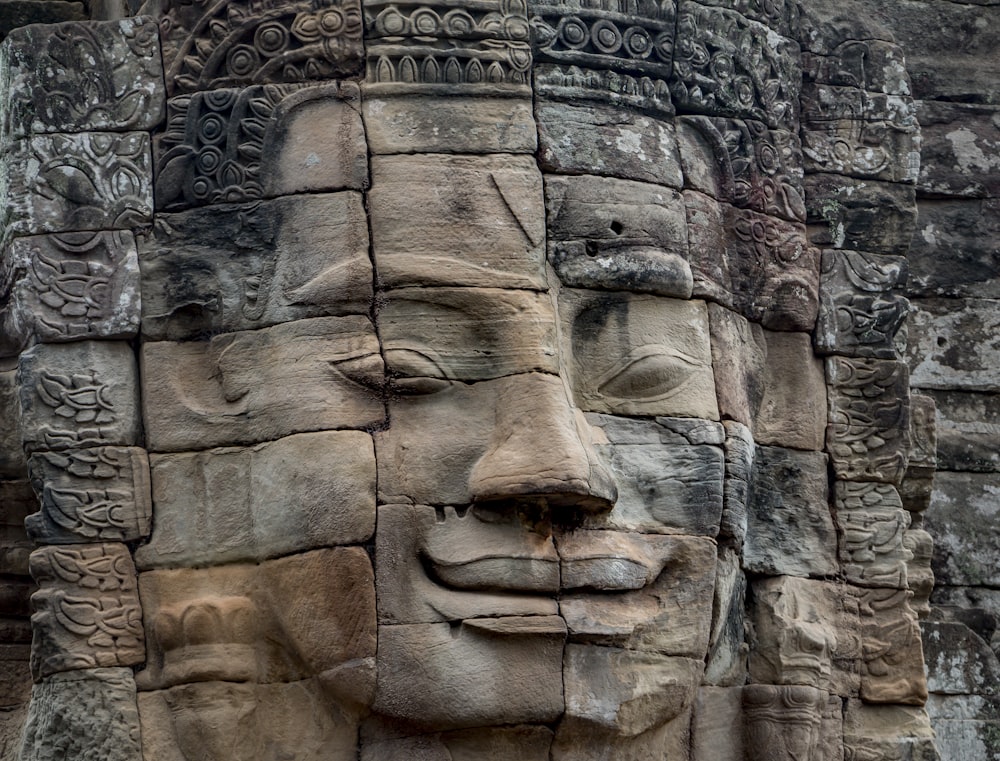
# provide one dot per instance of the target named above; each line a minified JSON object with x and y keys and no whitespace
{"x":499,"y":380}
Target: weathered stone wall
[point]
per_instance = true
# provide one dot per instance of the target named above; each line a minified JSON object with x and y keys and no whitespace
{"x":954,"y":338}
{"x":626,"y":280}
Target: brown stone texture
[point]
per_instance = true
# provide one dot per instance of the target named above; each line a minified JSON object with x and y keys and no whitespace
{"x":232,"y":389}
{"x":307,"y":615}
{"x":516,"y":381}
{"x":87,"y":611}
{"x":78,"y":395}
{"x":240,"y":267}
{"x":280,"y":147}
{"x":297,"y":493}
{"x":480,"y":224}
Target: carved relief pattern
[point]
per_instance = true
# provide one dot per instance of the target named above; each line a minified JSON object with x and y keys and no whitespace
{"x":872,"y":524}
{"x":99,"y":494}
{"x":727,"y":66}
{"x":78,"y":76}
{"x":607,"y":51}
{"x":859,"y":313}
{"x":437,"y":47}
{"x":70,"y":287}
{"x":215,"y":142}
{"x":892,"y":669}
{"x":87,"y":609}
{"x":868,"y":436}
{"x":782,"y":723}
{"x":758,"y":168}
{"x":208,"y":45}
{"x":86,"y":181}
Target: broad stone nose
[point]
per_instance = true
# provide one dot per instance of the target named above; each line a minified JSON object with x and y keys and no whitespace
{"x":540,"y":450}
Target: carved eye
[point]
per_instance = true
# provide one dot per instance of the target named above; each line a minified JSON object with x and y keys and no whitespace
{"x":647,"y":373}
{"x":414,"y":372}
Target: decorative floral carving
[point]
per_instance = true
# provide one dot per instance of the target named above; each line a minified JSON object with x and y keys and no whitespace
{"x":87,"y":605}
{"x":237,"y":42}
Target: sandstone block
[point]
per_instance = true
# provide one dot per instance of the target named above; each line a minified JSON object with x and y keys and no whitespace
{"x":219,"y":46}
{"x":438,"y":566}
{"x":669,"y":474}
{"x":793,"y":408}
{"x":46,"y":191}
{"x":636,"y":705}
{"x":888,"y":732}
{"x":717,"y":710}
{"x":225,"y":268}
{"x":860,"y":134}
{"x":805,"y":634}
{"x":70,"y":287}
{"x":859,"y":314}
{"x":760,"y":266}
{"x":78,"y":395}
{"x":426,"y":123}
{"x":919,"y":574}
{"x":82,"y":76}
{"x":782,"y":722}
{"x":739,"y":359}
{"x":433,"y":674}
{"x":234,"y":389}
{"x":611,"y":142}
{"x":469,"y":333}
{"x":743,"y":163}
{"x":955,"y":344}
{"x":260,"y":142}
{"x":297,"y":493}
{"x":958,"y":661}
{"x":217,"y":721}
{"x":790,"y":529}
{"x":520,"y":743}
{"x":755,"y":81}
{"x":94,"y":494}
{"x":954,"y":250}
{"x":960,"y":518}
{"x":868,"y":436}
{"x":282,"y":620}
{"x":593,"y":55}
{"x":87,"y":612}
{"x":640,"y":592}
{"x":635,"y":354}
{"x":505,"y":439}
{"x":968,"y":427}
{"x":860,"y":215}
{"x":481,"y":221}
{"x":617,"y":235}
{"x":726,"y":664}
{"x":872,"y":526}
{"x":892,"y":668}
{"x":960,"y":142}
{"x":740,"y":451}
{"x":98,"y":703}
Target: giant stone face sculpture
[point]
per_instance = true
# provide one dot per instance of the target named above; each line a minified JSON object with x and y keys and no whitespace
{"x":476,"y":413}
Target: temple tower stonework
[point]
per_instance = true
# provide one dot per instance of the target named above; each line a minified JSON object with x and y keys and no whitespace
{"x":471,"y":380}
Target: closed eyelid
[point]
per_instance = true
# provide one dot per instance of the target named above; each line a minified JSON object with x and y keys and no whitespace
{"x":647,"y":373}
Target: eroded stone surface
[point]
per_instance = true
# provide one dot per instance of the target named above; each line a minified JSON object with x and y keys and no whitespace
{"x":78,"y":395}
{"x":233,"y":388}
{"x":297,"y":493}
{"x":280,"y":146}
{"x":87,"y":611}
{"x":82,"y":76}
{"x":230,"y":267}
{"x":98,"y":703}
